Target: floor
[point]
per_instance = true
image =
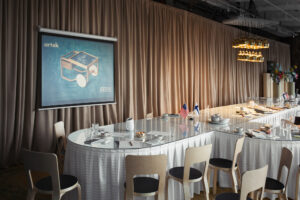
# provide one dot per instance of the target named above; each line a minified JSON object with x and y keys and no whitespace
{"x":13,"y":185}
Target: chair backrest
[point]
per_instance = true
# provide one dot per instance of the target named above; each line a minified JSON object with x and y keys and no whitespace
{"x":237,"y":151}
{"x":252,"y":181}
{"x":59,"y":129}
{"x":149,"y":116}
{"x":43,"y":162}
{"x":60,"y":134}
{"x":285,"y":160}
{"x":196,"y":155}
{"x":287,"y":124}
{"x":145,"y":165}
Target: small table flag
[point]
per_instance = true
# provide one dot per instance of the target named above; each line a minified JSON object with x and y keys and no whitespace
{"x":184,"y":111}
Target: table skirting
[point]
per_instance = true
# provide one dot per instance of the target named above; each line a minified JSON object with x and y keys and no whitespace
{"x":101,"y":172}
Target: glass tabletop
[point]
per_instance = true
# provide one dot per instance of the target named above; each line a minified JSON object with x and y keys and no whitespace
{"x":163,"y":130}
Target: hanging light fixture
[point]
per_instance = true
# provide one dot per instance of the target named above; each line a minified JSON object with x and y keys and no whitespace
{"x":249,"y":48}
{"x":250,"y":43}
{"x":250,"y":56}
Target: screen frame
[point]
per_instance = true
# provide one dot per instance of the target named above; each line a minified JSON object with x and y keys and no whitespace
{"x":45,"y":31}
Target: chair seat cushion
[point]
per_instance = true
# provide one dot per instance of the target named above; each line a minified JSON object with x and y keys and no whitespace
{"x":178,"y":173}
{"x":272,"y":184}
{"x":297,"y":120}
{"x":229,"y":196}
{"x":65,"y":182}
{"x":144,"y":184}
{"x":221,"y":162}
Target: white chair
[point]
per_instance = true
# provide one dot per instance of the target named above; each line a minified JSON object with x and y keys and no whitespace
{"x":297,"y":118}
{"x":297,"y":184}
{"x":275,"y":186}
{"x":252,"y":181}
{"x":142,"y":185}
{"x":287,"y":124}
{"x":149,"y":116}
{"x":61,"y":143}
{"x":229,"y":166}
{"x":55,"y":184}
{"x":188,"y":174}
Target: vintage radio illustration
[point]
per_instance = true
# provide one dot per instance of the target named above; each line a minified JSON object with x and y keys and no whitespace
{"x":81,"y":62}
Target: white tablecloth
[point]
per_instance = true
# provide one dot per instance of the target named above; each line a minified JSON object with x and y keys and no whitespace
{"x":101,"y":172}
{"x":275,"y":118}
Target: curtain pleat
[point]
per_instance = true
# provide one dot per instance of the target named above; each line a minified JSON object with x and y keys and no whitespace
{"x":164,"y":57}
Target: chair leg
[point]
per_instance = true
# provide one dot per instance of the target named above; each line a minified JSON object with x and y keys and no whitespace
{"x":208,"y":177}
{"x":78,"y":192}
{"x":284,"y":196}
{"x":279,"y":196}
{"x":234,"y":181}
{"x":297,"y":185}
{"x":167,"y":188}
{"x":238,"y":172}
{"x":206,"y":188}
{"x":31,"y":194}
{"x":215,"y":181}
{"x":186,"y":191}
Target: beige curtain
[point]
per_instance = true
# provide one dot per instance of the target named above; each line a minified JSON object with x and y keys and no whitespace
{"x":165,"y":57}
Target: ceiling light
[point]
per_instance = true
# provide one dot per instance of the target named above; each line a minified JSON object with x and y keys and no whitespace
{"x":250,"y":43}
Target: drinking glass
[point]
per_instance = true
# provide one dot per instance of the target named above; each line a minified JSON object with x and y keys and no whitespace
{"x":88,"y":134}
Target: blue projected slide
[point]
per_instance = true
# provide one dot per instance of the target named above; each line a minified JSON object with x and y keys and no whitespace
{"x":76,"y":71}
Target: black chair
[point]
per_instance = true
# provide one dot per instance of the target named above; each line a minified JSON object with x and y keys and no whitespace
{"x":297,"y":184}
{"x":252,"y":181}
{"x":229,"y":166}
{"x":55,"y":184}
{"x":275,"y":186}
{"x":143,"y":185}
{"x":187,"y":174}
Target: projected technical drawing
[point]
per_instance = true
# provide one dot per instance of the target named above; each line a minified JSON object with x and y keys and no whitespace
{"x":83,"y":63}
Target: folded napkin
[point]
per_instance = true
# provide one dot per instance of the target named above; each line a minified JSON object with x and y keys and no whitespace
{"x":260,"y":135}
{"x":107,"y":142}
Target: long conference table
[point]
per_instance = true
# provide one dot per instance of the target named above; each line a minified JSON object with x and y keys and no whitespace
{"x":99,"y":163}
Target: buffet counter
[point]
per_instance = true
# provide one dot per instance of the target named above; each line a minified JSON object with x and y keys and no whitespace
{"x":98,"y":158}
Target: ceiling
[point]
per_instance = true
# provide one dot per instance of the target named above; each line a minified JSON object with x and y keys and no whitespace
{"x":276,"y":19}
